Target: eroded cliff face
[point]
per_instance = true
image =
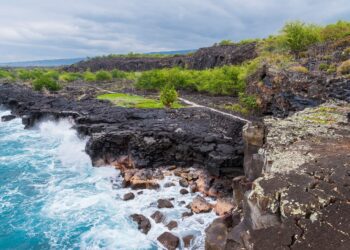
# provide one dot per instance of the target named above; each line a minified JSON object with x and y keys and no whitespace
{"x":302,"y":198}
{"x":203,"y":58}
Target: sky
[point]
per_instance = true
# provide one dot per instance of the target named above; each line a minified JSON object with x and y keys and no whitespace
{"x":51,"y":29}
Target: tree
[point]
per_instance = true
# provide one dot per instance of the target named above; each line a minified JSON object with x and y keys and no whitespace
{"x":168,"y":95}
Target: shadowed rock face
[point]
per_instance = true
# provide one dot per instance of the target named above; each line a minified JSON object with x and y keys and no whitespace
{"x":202,"y":59}
{"x":149,"y":138}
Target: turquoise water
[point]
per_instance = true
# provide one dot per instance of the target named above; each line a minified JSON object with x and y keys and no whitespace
{"x":52,"y":198}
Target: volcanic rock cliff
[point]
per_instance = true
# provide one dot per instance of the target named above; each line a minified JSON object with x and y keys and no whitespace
{"x":203,"y":58}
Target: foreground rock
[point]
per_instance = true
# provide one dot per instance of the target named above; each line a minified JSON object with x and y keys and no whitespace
{"x":300,"y":201}
{"x":144,"y":225}
{"x":169,"y":241}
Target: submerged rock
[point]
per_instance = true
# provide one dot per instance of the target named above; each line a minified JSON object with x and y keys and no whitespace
{"x":144,"y":225}
{"x":158,"y":216}
{"x":7,"y":118}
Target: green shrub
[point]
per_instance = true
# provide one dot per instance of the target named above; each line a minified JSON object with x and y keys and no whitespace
{"x":103,"y":75}
{"x":335,"y":31}
{"x":332,"y":69}
{"x":248,"y":101}
{"x":54,"y":74}
{"x":168,"y":95}
{"x":300,"y":69}
{"x":5,"y":74}
{"x":118,"y":74}
{"x":344,"y":67}
{"x":46,"y":82}
{"x":226,"y":42}
{"x":323,"y":67}
{"x":297,"y":36}
{"x":69,"y":77}
{"x":237,"y":108}
{"x":226,"y":80}
{"x":89,"y":76}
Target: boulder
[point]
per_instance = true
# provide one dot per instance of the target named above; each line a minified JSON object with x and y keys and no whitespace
{"x":187,"y":214}
{"x":171,"y":225}
{"x":183,"y":183}
{"x":158,"y":216}
{"x":128,"y":196}
{"x":144,"y":225}
{"x":200,"y":205}
{"x":164,"y":203}
{"x":187,"y":240}
{"x":169,"y":241}
{"x":224,"y":206}
{"x":183,"y":191}
{"x":216,"y":236}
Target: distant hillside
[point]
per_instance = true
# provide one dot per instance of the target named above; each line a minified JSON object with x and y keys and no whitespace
{"x":67,"y":62}
{"x":175,"y":52}
{"x":43,"y":63}
{"x":204,"y":58}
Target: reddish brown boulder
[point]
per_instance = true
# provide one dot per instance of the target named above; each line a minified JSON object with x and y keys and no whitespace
{"x":183,"y":191}
{"x":169,"y":241}
{"x":183,"y":183}
{"x":157,"y":216}
{"x":171,"y":225}
{"x":164,"y":203}
{"x":200,"y":205}
{"x":224,"y":206}
{"x":187,"y":240}
{"x":128,"y":196}
{"x":144,"y":225}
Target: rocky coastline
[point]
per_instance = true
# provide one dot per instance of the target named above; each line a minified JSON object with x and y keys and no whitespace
{"x":276,"y":182}
{"x":203,"y":149}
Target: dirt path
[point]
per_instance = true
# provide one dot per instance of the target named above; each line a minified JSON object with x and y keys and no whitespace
{"x":195,"y":105}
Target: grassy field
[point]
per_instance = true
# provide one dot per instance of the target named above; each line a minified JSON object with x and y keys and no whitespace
{"x":134,"y":101}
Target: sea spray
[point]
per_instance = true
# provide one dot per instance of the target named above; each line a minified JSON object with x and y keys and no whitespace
{"x":52,"y":198}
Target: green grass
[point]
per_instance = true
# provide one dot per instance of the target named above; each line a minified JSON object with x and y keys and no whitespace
{"x":134,"y":101}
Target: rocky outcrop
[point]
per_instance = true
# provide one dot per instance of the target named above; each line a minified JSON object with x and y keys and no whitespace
{"x":282,"y":90}
{"x":201,"y":59}
{"x":139,"y":138}
{"x":301,"y":198}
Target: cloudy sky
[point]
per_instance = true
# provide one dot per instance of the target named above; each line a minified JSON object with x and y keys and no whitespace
{"x":47,"y":29}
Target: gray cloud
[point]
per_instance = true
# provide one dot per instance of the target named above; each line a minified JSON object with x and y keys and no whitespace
{"x":41,"y":29}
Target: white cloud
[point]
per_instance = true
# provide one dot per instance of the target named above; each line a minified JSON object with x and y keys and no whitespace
{"x":35,"y":29}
